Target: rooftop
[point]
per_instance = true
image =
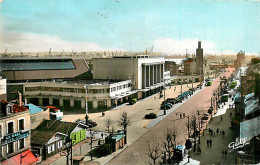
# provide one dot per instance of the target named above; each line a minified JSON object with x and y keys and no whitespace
{"x":35,"y":64}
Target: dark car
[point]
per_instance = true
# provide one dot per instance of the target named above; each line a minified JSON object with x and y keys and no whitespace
{"x":167,"y":106}
{"x":171,"y":100}
{"x":150,"y":116}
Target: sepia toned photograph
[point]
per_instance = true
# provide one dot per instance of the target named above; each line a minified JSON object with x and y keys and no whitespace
{"x":129,"y":82}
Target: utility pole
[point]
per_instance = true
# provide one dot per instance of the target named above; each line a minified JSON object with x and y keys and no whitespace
{"x":85,"y":86}
{"x":164,"y":96}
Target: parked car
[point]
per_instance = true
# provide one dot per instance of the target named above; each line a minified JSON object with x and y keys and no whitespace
{"x":150,"y":116}
{"x":132,"y":101}
{"x":167,"y":106}
{"x":171,"y":100}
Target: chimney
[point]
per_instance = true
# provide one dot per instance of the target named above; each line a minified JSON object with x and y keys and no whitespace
{"x":20,"y":99}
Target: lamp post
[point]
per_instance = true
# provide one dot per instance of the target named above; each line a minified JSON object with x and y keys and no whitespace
{"x":86,"y":99}
{"x":164,"y":96}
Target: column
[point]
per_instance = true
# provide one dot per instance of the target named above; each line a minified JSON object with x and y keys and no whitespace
{"x":149,"y":76}
{"x":51,"y":101}
{"x":61,"y":102}
{"x":40,"y":101}
{"x":156,"y":74}
{"x":72,"y":103}
{"x":108,"y":103}
{"x":159,"y":70}
{"x":83,"y":104}
{"x":95,"y":105}
{"x":153,"y":75}
{"x":144,"y":76}
{"x":162,"y":71}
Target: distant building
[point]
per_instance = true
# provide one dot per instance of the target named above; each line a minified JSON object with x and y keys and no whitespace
{"x":189,"y":67}
{"x":220,"y":66}
{"x":172,"y":67}
{"x":199,"y":60}
{"x":15,"y":134}
{"x":240,"y":59}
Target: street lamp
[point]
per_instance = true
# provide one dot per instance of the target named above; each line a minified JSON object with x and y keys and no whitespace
{"x":86,"y":99}
{"x":164,"y":112}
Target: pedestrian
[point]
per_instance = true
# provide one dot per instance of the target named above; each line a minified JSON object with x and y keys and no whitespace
{"x":203,"y":132}
{"x":230,"y":114}
{"x":209,"y":130}
{"x":210,"y":142}
{"x":223,"y":133}
{"x":102,"y":135}
{"x":221,"y":118}
{"x":199,"y":150}
{"x":217,"y":131}
{"x":213,"y":133}
{"x":207,"y":142}
{"x":225,"y":152}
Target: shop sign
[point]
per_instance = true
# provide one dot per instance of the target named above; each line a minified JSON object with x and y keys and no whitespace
{"x":9,"y":138}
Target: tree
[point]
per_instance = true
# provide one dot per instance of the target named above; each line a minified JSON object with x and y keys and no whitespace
{"x":170,"y":141}
{"x":124,"y":122}
{"x":108,"y":123}
{"x":153,"y":151}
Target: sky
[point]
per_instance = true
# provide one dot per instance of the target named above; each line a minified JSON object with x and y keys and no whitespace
{"x":168,"y":26}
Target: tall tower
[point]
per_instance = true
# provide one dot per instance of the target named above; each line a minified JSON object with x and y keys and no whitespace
{"x":199,"y":60}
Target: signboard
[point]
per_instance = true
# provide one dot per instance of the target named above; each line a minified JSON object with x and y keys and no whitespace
{"x":14,"y":137}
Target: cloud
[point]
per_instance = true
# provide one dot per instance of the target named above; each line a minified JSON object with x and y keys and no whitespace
{"x":171,"y":46}
{"x":29,"y":42}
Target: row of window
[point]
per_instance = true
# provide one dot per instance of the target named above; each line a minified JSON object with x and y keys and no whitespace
{"x":20,"y":145}
{"x":11,"y":127}
{"x":120,"y":87}
{"x":51,"y":148}
{"x":76,"y":90}
{"x":56,"y":89}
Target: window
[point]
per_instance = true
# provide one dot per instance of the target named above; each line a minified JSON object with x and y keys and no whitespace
{"x":94,"y":90}
{"x":59,"y":144}
{"x":21,"y":124}
{"x":50,"y":148}
{"x":10,"y":148}
{"x":9,"y":109}
{"x":21,"y":144}
{"x":10,"y":127}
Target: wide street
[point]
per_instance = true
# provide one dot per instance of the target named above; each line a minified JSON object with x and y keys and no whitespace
{"x":135,"y":153}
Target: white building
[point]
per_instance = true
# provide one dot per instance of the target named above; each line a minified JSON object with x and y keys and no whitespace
{"x":102,"y":94}
{"x":144,"y":71}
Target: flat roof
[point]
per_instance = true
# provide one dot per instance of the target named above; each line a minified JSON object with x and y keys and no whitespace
{"x":35,"y":64}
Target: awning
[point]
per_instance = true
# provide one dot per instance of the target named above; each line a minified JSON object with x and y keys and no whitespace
{"x":24,"y":158}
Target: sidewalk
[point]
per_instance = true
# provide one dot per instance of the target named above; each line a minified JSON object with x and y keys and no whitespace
{"x":213,"y":154}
